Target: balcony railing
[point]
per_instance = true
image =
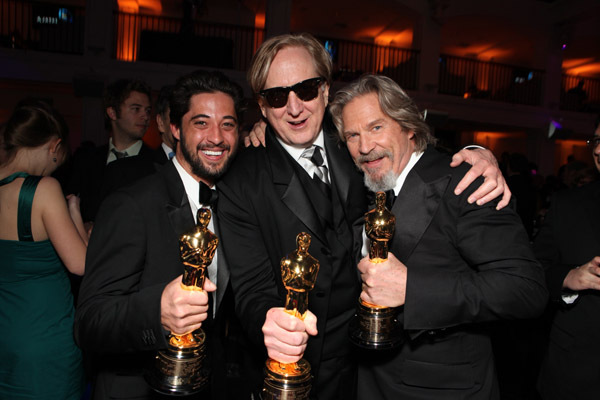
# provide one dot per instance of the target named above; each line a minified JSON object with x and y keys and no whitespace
{"x":41,"y":26}
{"x":580,"y":94}
{"x":352,"y":59}
{"x":487,"y":80}
{"x":169,"y":40}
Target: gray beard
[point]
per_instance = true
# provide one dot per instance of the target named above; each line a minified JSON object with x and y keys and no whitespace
{"x":386,"y":182}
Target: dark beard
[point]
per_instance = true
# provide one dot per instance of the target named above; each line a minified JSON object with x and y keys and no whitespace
{"x":201,"y":170}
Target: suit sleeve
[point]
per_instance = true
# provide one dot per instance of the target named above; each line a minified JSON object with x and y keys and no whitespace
{"x":114,"y":314}
{"x":546,"y":249}
{"x":487,"y":270}
{"x":245,"y":246}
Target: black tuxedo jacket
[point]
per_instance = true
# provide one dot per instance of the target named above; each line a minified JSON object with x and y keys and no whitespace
{"x":467,"y":265}
{"x":567,"y":239}
{"x":88,"y":175}
{"x":265,"y":201}
{"x":132,"y":255}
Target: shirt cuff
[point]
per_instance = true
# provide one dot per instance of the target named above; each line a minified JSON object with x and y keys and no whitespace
{"x":569,"y":298}
{"x":473,"y":147}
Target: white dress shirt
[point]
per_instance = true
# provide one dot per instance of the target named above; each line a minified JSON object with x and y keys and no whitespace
{"x":192,"y":189}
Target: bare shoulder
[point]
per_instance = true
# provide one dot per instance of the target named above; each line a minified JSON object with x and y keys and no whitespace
{"x":49,"y":190}
{"x":49,"y":184}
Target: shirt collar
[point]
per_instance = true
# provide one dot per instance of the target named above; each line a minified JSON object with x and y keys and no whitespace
{"x":132,"y":150}
{"x":166,"y":149}
{"x":414,"y":157}
{"x":296,"y":152}
{"x":190,"y":184}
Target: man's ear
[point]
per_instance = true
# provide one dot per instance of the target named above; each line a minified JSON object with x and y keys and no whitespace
{"x":325,"y":88}
{"x":112,"y":114}
{"x":263,"y":107}
{"x":161,"y":124}
{"x":175,"y":132}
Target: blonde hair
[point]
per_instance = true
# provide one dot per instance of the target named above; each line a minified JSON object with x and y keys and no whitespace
{"x":261,"y":61}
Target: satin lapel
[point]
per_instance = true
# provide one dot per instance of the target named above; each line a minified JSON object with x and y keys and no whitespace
{"x":178,"y":206}
{"x":414,"y":208}
{"x":337,"y":158}
{"x":222,"y":268}
{"x":591,"y":209}
{"x":290,"y":187}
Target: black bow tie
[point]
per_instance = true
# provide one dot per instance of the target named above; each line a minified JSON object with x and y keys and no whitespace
{"x":390,"y":197}
{"x":208,"y":196}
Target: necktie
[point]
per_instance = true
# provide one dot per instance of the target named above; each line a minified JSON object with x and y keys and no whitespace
{"x":171,"y":155}
{"x":119,"y":154}
{"x":320,"y":170}
{"x":208,"y":196}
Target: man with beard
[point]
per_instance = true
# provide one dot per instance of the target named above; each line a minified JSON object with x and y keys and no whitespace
{"x":131,"y":295}
{"x":301,"y":181}
{"x":451,"y":266}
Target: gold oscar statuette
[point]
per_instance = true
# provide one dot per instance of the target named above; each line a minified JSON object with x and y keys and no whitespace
{"x":181,"y":369}
{"x":299,"y":274}
{"x":374,"y":326}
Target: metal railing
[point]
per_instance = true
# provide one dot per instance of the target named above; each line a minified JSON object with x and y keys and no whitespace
{"x":470,"y":78}
{"x":153,"y":38}
{"x":352,"y":59}
{"x":41,"y":26}
{"x":580,"y":94}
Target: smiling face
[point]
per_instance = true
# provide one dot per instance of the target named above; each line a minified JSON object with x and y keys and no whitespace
{"x":376,"y":142}
{"x":208,"y":136}
{"x":298,"y":123}
{"x":131,"y":123}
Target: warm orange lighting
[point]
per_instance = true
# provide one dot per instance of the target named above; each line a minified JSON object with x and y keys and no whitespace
{"x":259,"y":20}
{"x":589,"y":69}
{"x":129,"y":6}
{"x":480,"y":51}
{"x":577,"y":62}
{"x":402,"y":38}
{"x":151,"y":6}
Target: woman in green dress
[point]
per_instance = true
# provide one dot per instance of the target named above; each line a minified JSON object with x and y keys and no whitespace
{"x":40,"y":235}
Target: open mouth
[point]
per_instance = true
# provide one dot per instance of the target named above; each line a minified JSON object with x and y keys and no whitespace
{"x":297,"y":123}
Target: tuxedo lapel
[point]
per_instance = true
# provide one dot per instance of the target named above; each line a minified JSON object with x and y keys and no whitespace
{"x":336,"y":158}
{"x":178,"y":206}
{"x":591,"y":210}
{"x":414,"y":208}
{"x":290,"y":187}
{"x":222,"y":268}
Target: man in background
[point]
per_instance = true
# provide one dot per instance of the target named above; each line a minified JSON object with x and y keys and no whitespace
{"x":127,"y":108}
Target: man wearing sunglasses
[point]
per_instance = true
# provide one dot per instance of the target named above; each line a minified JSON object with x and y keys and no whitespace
{"x":302,"y":180}
{"x":568,"y":247}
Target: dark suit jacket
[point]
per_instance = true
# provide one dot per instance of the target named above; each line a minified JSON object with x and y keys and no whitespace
{"x":264,"y":203}
{"x":126,"y":171}
{"x":132,"y":255}
{"x":567,"y":239}
{"x":87,"y":177}
{"x":467,"y":265}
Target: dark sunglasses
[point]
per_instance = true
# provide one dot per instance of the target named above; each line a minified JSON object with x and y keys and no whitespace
{"x":595,"y":141}
{"x":307,"y":90}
